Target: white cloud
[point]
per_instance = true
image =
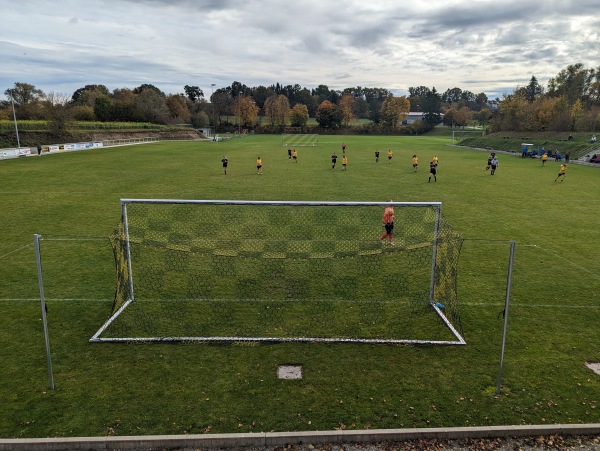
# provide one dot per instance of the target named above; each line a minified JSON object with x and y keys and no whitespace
{"x":479,"y":45}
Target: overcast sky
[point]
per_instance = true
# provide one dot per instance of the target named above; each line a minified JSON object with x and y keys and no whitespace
{"x":476,"y":45}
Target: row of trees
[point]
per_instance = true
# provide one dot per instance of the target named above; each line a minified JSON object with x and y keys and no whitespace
{"x":570,"y":102}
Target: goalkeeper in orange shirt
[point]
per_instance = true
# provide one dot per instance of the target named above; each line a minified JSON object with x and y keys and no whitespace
{"x":388,"y":223}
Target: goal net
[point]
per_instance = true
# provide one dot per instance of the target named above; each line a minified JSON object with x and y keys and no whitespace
{"x":192,"y":270}
{"x":460,"y":135}
{"x":299,"y":140}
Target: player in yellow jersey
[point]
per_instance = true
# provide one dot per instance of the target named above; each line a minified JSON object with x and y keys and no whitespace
{"x":259,"y":165}
{"x":435,"y":160}
{"x":544,"y":159}
{"x":562,"y":173}
{"x":390,"y":154}
{"x":388,"y":223}
{"x":415,"y":162}
{"x":295,"y":155}
{"x":344,"y":162}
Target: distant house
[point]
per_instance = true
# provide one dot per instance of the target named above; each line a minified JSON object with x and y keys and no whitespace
{"x":206,"y":131}
{"x":412,"y":117}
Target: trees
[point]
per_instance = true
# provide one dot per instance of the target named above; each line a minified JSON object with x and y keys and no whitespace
{"x":26,"y":98}
{"x":432,"y":108}
{"x":261,"y":94}
{"x":533,"y":90}
{"x":151,"y":106}
{"x":277,"y":110}
{"x":347,"y":107}
{"x":329,"y":115}
{"x":574,"y":82}
{"x":394,"y":110}
{"x":245,"y":110}
{"x":178,"y":109}
{"x":324,"y":93}
{"x":193,"y":93}
{"x":299,"y":115}
{"x":375,"y":97}
{"x":221,"y":101}
{"x":87,"y":95}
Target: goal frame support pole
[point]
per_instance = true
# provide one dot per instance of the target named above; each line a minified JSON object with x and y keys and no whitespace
{"x":511,"y":260}
{"x":38,"y":259}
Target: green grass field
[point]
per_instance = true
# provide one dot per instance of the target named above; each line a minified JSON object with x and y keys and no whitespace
{"x":72,"y":199}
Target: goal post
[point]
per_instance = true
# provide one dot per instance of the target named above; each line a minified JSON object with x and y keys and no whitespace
{"x":233,"y":270}
{"x":299,"y":140}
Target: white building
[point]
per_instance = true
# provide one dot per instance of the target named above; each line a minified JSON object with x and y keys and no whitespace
{"x":412,"y":117}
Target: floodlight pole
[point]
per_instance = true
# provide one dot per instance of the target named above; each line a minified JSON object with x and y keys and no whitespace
{"x":212,"y":101}
{"x":506,"y":305}
{"x":15,"y":119}
{"x":38,"y":258}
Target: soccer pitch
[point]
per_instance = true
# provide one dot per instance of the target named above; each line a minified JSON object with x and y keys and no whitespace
{"x":72,"y":200}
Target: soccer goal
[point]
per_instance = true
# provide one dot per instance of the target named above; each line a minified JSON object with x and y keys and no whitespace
{"x":459,"y":135}
{"x":229,"y":271}
{"x":299,"y":140}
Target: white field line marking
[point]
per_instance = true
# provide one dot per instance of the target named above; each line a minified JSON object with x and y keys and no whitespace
{"x":16,"y":250}
{"x":594,"y":273}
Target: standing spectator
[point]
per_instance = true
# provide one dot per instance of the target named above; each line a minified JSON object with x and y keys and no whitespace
{"x":567,"y":156}
{"x":225,"y":161}
{"x":39,"y":149}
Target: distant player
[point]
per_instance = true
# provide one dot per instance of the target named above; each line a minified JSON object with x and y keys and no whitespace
{"x":344,"y":162}
{"x":333,"y":160}
{"x":562,"y":173}
{"x":343,"y":148}
{"x":289,"y":153}
{"x":415,"y":162}
{"x":225,"y":161}
{"x":432,"y":171}
{"x":435,"y":160}
{"x":295,"y":155}
{"x":489,"y":162}
{"x":259,"y":165}
{"x":377,"y":156}
{"x":544,"y":159}
{"x":494,"y":165}
{"x":390,"y":154}
{"x":388,"y":223}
